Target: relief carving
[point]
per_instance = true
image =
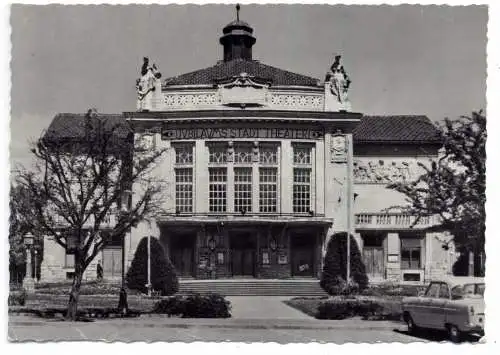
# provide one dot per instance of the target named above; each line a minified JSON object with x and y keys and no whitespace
{"x":338,"y":148}
{"x":383,"y":172}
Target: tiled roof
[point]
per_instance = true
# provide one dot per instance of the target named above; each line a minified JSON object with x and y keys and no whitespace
{"x":72,"y":125}
{"x":396,"y":129}
{"x":223,"y":70}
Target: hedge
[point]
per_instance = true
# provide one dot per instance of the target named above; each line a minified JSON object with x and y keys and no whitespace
{"x":195,"y":306}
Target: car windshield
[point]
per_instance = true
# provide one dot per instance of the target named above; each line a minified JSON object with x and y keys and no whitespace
{"x":467,"y":290}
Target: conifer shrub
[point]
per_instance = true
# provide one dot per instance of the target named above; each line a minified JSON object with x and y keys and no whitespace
{"x":163,"y":275}
{"x":333,"y":277}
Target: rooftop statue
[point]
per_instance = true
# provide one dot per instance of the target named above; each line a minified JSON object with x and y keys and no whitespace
{"x":147,"y":84}
{"x":338,"y":82}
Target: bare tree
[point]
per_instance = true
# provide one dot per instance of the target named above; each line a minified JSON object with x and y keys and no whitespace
{"x":82,"y":186}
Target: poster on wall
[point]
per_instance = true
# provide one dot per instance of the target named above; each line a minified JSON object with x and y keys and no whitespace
{"x":282,"y":258}
{"x":203,"y":262}
{"x":265,"y":258}
{"x":220,"y":258}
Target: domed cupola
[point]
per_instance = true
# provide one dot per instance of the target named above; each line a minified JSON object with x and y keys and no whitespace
{"x":237,"y":39}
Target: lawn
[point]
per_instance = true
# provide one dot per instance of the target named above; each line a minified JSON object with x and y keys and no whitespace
{"x":93,"y":294}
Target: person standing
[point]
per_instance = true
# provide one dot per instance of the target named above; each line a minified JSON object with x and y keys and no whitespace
{"x":123,"y":303}
{"x":99,"y":270}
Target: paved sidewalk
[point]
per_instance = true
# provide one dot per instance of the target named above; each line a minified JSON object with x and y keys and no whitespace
{"x":263,"y":307}
{"x":159,"y":321}
{"x":157,"y":328}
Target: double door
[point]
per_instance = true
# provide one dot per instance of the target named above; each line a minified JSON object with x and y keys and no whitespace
{"x":373,"y":258}
{"x":112,"y":262}
{"x":243,"y":249}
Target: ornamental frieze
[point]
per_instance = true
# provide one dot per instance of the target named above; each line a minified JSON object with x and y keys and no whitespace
{"x":190,"y":100}
{"x":283,"y":101}
{"x":297,"y":101}
{"x":384,"y":171}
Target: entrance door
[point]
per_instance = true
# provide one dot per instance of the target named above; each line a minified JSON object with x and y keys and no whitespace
{"x":243,"y":255}
{"x":373,"y":257}
{"x":182,"y":254}
{"x":112,"y":262}
{"x":373,"y":254}
{"x":302,"y":248}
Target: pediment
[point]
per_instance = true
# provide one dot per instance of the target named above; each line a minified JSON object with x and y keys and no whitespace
{"x":243,"y":90}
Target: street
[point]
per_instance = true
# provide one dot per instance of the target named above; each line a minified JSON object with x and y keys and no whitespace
{"x":22,"y":328}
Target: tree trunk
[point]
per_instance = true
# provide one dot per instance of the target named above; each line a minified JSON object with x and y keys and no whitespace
{"x":74,"y":295}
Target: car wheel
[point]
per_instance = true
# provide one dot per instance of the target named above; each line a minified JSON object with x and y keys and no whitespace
{"x":412,"y":328}
{"x":454,"y":334}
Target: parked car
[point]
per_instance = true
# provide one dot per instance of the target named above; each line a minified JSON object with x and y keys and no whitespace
{"x":455,"y":305}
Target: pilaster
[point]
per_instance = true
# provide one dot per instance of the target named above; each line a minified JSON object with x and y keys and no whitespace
{"x":393,"y":257}
{"x":286,"y":178}
{"x":201,"y":177}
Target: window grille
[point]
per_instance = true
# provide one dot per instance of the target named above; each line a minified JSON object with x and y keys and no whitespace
{"x":243,"y":154}
{"x":218,"y":154}
{"x":183,"y":153}
{"x":268,"y":154}
{"x":302,"y":155}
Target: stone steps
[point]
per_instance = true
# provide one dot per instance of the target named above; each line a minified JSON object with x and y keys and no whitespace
{"x":253,"y":287}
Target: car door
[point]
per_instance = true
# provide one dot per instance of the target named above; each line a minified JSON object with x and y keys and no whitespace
{"x":437,"y":314}
{"x":425,"y":310}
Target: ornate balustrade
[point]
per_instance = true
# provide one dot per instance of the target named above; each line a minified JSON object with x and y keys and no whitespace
{"x":392,"y":221}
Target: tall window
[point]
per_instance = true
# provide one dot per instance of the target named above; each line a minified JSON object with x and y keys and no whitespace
{"x":268,"y":189}
{"x":411,"y":253}
{"x":217,"y":189}
{"x":183,"y":178}
{"x":243,"y":189}
{"x":184,"y":189}
{"x":268,"y":178}
{"x":302,"y":179}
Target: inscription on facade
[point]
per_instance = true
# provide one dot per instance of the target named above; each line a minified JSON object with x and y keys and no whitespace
{"x":243,"y":133}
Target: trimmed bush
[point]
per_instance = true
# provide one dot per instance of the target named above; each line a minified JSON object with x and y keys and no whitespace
{"x":195,"y":306}
{"x":333,"y":277}
{"x":163,"y":275}
{"x":172,"y":306}
{"x":347,"y":309}
{"x":17,"y":298}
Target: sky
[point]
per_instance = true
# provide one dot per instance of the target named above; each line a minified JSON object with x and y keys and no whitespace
{"x":428,"y":60}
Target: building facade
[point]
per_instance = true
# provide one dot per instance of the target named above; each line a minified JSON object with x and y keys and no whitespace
{"x":263,"y":166}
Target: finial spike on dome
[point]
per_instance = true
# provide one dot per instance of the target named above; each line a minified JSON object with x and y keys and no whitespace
{"x":238,"y":12}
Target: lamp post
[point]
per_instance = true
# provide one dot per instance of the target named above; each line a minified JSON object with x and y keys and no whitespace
{"x":29,"y":280}
{"x":350,"y":200}
{"x":149,"y":286}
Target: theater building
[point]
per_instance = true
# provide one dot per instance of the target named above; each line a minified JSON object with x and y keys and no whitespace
{"x":263,"y":165}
